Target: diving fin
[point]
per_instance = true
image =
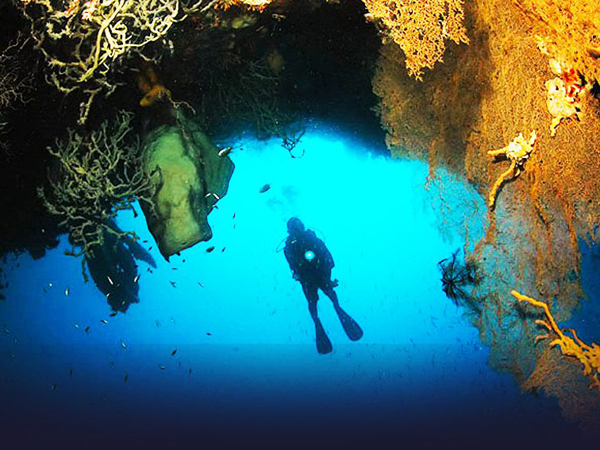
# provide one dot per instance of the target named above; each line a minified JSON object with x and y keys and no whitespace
{"x":352,"y":329}
{"x":323,"y":343}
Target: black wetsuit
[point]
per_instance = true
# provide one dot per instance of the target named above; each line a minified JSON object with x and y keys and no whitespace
{"x":313,"y":274}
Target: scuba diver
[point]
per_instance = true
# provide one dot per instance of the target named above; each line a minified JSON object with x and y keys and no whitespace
{"x":311,"y":265}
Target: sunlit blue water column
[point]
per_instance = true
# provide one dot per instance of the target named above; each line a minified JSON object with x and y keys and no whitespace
{"x":244,"y":341}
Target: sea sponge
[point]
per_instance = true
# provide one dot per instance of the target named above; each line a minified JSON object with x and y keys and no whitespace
{"x":189,"y":177}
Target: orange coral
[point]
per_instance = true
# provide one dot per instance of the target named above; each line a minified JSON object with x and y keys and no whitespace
{"x":420,"y":28}
{"x":156,"y":93}
{"x":152,"y":88}
{"x":587,"y":355}
{"x":485,"y":94}
{"x":258,"y":5}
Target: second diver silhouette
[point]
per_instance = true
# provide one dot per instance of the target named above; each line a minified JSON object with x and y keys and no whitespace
{"x":311,"y":265}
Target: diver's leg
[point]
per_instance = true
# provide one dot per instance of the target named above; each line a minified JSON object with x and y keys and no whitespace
{"x":323,"y":343}
{"x":352,"y":329}
{"x":327,"y":286}
{"x":329,"y":292}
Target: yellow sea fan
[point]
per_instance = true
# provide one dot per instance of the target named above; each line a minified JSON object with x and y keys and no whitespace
{"x":420,"y":28}
{"x":588,"y":356}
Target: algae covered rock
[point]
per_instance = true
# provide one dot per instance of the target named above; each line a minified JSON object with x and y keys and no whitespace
{"x":189,"y":177}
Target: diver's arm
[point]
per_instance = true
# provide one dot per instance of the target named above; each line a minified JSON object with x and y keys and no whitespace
{"x":291,"y":261}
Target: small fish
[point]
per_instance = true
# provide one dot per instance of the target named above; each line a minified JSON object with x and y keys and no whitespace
{"x":45,"y":291}
{"x":114,"y":314}
{"x":110,"y":280}
{"x":123,"y":344}
{"x":210,"y":249}
{"x":67,"y":291}
{"x":77,"y":326}
{"x":208,"y":334}
{"x":151,"y":247}
{"x":173,"y":284}
{"x":70,"y":373}
{"x":223,"y":249}
{"x":157,"y":323}
{"x":161,"y":367}
{"x":53,"y":387}
{"x":225,"y":151}
{"x":126,"y":377}
{"x":145,"y":241}
{"x":173,"y":352}
{"x":112,"y":364}
{"x":87,"y":329}
{"x":137,"y":278}
{"x":216,"y":196}
{"x":190,"y":372}
{"x":183,"y":260}
{"x":104,"y":321}
{"x":233,"y":216}
{"x":200,"y":284}
{"x":174,"y":268}
{"x":264,"y":189}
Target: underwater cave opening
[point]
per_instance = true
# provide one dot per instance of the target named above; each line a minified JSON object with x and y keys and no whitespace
{"x":386,"y":226}
{"x":223,"y":338}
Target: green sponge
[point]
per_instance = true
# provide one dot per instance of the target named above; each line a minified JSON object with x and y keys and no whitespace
{"x":189,"y":177}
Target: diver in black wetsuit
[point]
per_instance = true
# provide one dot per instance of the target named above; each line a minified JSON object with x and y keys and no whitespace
{"x":311,"y":265}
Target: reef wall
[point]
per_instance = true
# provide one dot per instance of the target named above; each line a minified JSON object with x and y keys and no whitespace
{"x":530,"y":66}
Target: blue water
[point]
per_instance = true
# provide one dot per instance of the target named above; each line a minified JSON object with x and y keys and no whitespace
{"x":246,"y":362}
{"x":586,"y":318}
